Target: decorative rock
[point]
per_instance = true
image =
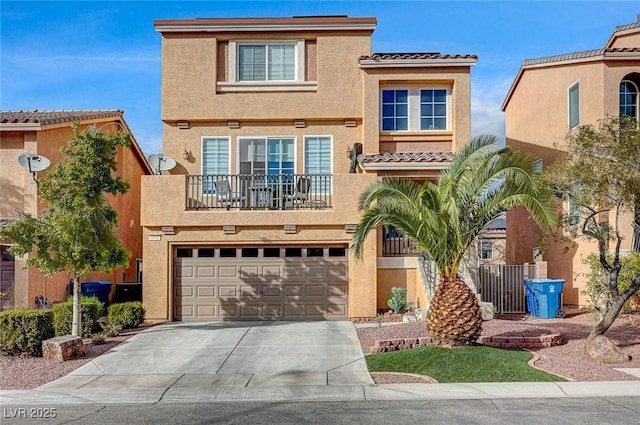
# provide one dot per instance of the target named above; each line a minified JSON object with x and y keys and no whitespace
{"x":603,"y":350}
{"x":62,"y":348}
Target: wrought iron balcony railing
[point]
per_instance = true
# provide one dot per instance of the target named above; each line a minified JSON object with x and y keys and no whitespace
{"x":394,"y":243}
{"x":259,"y":191}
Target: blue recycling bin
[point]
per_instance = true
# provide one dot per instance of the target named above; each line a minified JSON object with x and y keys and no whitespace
{"x":544,"y":297}
{"x":99,"y":289}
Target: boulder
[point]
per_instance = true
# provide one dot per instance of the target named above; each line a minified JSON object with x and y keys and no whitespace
{"x":603,"y":350}
{"x":62,"y":348}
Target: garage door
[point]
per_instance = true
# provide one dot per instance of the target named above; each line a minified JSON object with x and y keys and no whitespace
{"x":266,"y":283}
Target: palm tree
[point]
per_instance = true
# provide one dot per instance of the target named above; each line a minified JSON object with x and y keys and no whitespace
{"x":444,"y":218}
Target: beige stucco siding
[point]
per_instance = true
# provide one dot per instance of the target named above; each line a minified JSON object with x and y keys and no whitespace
{"x":177,"y":141}
{"x":189,"y":67}
{"x":456,"y":80}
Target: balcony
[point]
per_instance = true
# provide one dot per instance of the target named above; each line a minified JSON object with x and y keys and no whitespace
{"x":259,"y":191}
{"x":395,"y":244}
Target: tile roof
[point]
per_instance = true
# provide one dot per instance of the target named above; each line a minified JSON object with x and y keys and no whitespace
{"x":4,"y":222}
{"x":406,"y":157}
{"x":416,"y":56}
{"x":579,"y":55}
{"x":55,"y":117}
{"x":497,"y":224}
{"x":627,"y":26}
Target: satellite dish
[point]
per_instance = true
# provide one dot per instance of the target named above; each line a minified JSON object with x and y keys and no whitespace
{"x":161,"y":163}
{"x":33,"y":163}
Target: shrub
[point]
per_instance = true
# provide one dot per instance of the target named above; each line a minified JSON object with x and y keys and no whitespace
{"x":398,"y":300}
{"x":112,"y":331}
{"x":597,"y":290}
{"x":22,"y":331}
{"x":126,"y":315}
{"x":98,"y":339}
{"x":91,"y":307}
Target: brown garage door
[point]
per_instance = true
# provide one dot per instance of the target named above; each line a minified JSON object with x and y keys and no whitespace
{"x":271,"y":283}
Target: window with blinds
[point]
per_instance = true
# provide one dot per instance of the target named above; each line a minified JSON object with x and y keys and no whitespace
{"x":317,"y":162}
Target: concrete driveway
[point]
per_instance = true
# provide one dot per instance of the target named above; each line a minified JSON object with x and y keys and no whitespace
{"x":230,"y":354}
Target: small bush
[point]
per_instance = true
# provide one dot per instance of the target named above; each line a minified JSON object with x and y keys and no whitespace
{"x":91,"y":307}
{"x":22,"y":331}
{"x":112,"y":331}
{"x":98,"y":339}
{"x":398,"y":300}
{"x":126,"y":315}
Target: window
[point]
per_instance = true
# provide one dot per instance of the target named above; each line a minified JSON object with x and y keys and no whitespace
{"x":395,"y":110}
{"x":272,"y":155}
{"x":5,"y":254}
{"x":574,"y":105}
{"x":266,"y":62}
{"x":317,"y":162}
{"x":573,"y":212}
{"x":415,"y":109}
{"x":227,"y":252}
{"x":628,"y":99}
{"x":184,"y":252}
{"x":250,"y":252}
{"x":293,"y":252}
{"x":315,"y":252}
{"x":433,"y":109}
{"x":337,"y":252}
{"x":486,"y":250}
{"x":271,"y":252}
{"x":206,"y":252}
{"x":537,"y":167}
{"x":215,"y":160}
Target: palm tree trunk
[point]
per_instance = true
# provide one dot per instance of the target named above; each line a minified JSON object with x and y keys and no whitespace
{"x":454,"y":318}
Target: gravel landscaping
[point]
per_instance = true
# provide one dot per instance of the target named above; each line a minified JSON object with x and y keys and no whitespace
{"x":568,"y":360}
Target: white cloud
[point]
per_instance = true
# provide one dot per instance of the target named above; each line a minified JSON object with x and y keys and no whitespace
{"x":487,"y":96}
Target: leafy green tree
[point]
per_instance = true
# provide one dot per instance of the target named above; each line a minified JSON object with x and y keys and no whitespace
{"x":600,"y":173}
{"x":76,"y":231}
{"x":444,"y":218}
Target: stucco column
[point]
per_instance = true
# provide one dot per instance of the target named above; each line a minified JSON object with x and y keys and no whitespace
{"x":363,"y":281}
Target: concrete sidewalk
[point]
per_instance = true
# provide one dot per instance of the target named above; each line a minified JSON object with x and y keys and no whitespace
{"x":148,"y":389}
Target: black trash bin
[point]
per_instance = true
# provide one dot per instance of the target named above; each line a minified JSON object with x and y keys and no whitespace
{"x":99,"y":289}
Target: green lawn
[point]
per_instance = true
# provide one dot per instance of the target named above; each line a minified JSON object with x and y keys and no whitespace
{"x":461,"y":364}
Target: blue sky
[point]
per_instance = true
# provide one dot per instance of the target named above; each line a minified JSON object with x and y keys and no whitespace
{"x":104,"y":55}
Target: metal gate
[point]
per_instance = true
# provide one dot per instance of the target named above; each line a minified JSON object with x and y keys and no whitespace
{"x":503,"y":286}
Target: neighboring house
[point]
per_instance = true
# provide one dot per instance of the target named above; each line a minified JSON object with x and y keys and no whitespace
{"x":44,"y":133}
{"x":491,"y":245}
{"x":549,"y":97}
{"x":277,"y":125}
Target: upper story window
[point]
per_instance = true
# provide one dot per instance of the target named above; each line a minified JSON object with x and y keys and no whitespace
{"x":629,"y":99}
{"x":415,"y":109}
{"x":215,"y":155}
{"x":317,"y":162}
{"x":433,"y":109}
{"x":486,"y":250}
{"x":574,"y":105}
{"x":266,"y":62}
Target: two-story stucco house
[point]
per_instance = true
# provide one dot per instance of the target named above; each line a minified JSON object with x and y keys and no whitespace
{"x":548,"y":98}
{"x":43,"y":133}
{"x":276,"y":126}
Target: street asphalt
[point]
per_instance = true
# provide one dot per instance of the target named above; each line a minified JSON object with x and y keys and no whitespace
{"x":262,"y":362}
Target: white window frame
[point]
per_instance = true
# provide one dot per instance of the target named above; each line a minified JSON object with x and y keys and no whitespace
{"x":202,"y":159}
{"x":304,"y":157}
{"x":266,"y":142}
{"x":299,"y":84}
{"x":569,"y":90}
{"x":413,"y":93}
{"x":637,"y":105}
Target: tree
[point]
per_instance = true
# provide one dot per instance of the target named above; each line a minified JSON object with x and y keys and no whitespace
{"x":76,"y":231}
{"x":600,"y":173}
{"x":444,"y":218}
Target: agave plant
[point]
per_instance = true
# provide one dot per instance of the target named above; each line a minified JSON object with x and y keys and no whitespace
{"x":444,"y":218}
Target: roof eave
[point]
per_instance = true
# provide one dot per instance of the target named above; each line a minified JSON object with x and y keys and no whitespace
{"x":386,"y":166}
{"x":198,"y":27}
{"x":416,"y":63}
{"x":29,"y":126}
